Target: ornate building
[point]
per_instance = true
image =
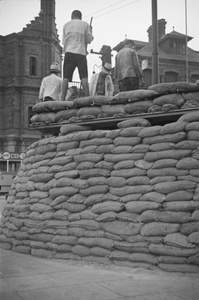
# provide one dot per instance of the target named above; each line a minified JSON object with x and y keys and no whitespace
{"x":25,"y":58}
{"x":172,"y":56}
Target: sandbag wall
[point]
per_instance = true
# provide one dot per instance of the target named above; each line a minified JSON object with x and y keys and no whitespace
{"x":128,"y":197}
{"x":164,"y":97}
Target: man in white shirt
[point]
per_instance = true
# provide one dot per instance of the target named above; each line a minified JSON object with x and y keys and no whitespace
{"x":76,"y":35}
{"x":50,"y":88}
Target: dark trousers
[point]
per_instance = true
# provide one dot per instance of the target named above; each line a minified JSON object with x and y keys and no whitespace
{"x":48,"y":99}
{"x":129,"y":84}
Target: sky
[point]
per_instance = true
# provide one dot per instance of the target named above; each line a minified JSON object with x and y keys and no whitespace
{"x":113,"y":20}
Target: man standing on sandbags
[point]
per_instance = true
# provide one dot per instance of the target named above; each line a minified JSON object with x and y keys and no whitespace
{"x":50,"y":88}
{"x":76,"y":35}
{"x":127,"y":68}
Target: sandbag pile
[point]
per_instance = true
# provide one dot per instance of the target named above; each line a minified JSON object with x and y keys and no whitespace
{"x":164,"y":97}
{"x":128,"y":197}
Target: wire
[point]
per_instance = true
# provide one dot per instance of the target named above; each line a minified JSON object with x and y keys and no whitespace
{"x":115,"y":9}
{"x":103,"y":9}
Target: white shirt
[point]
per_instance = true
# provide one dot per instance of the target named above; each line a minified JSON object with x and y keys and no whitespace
{"x":76,"y":35}
{"x":50,"y":87}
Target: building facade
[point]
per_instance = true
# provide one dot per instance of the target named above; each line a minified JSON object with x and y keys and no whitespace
{"x":25,"y":58}
{"x":171,"y":55}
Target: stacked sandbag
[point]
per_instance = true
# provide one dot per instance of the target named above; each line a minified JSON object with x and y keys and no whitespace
{"x":163,"y":97}
{"x":127,"y":196}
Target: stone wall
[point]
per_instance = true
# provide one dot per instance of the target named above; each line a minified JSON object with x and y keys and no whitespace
{"x":127,"y":196}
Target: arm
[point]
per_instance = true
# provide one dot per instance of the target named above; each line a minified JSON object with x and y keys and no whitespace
{"x":136,"y":65}
{"x":116,"y":67}
{"x":110,"y":87}
{"x":88,"y":36}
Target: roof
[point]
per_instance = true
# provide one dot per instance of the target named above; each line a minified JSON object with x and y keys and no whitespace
{"x":175,"y":34}
{"x":146,"y":51}
{"x":138,"y":44}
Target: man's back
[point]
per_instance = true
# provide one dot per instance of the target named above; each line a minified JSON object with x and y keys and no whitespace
{"x":76,"y":34}
{"x":50,"y":87}
{"x":125,"y":63}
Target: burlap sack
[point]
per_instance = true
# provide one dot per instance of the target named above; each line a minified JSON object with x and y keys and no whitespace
{"x":130,"y":131}
{"x":135,"y":95}
{"x":166,"y":138}
{"x":107,"y":206}
{"x":179,"y":240}
{"x":140,"y":206}
{"x":45,"y":118}
{"x":138,"y":107}
{"x":181,"y":195}
{"x":164,"y":216}
{"x":169,"y":187}
{"x":121,"y":228}
{"x":111,"y":110}
{"x":68,"y":128}
{"x":164,"y":163}
{"x":150,"y":131}
{"x":133,"y":122}
{"x":159,"y":249}
{"x":167,"y":154}
{"x":181,"y":206}
{"x":175,"y":99}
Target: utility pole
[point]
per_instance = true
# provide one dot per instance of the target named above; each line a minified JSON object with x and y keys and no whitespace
{"x":186,"y":40}
{"x":155,"y":63}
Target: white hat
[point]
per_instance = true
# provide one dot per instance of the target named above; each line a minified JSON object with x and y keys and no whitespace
{"x":106,"y":68}
{"x":55,"y":67}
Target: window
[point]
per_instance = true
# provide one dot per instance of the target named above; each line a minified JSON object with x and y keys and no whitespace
{"x":33,"y":66}
{"x":178,"y":48}
{"x":171,"y":77}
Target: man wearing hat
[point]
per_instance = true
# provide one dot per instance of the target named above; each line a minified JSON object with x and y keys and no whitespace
{"x":101,"y":83}
{"x":50,"y":88}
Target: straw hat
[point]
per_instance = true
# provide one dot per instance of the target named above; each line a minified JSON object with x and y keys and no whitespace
{"x":55,"y":67}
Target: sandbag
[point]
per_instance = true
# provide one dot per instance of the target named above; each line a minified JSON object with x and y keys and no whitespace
{"x":159,"y":229}
{"x":121,"y":228}
{"x":164,"y":88}
{"x":135,"y":95}
{"x":164,"y":216}
{"x":101,"y":100}
{"x":138,"y":107}
{"x":83,"y":101}
{"x":159,"y":249}
{"x":174,"y":99}
{"x":133,"y":122}
{"x":182,"y":268}
{"x":45,"y":117}
{"x":68,"y":128}
{"x":150,"y":131}
{"x":140,"y":206}
{"x":166,"y":138}
{"x":107,"y":206}
{"x":179,"y":240}
{"x":111,"y":110}
{"x":65,"y":114}
{"x":90,"y":111}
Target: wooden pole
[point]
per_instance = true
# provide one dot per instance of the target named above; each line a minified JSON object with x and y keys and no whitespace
{"x":186,"y":45}
{"x":155,"y":64}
